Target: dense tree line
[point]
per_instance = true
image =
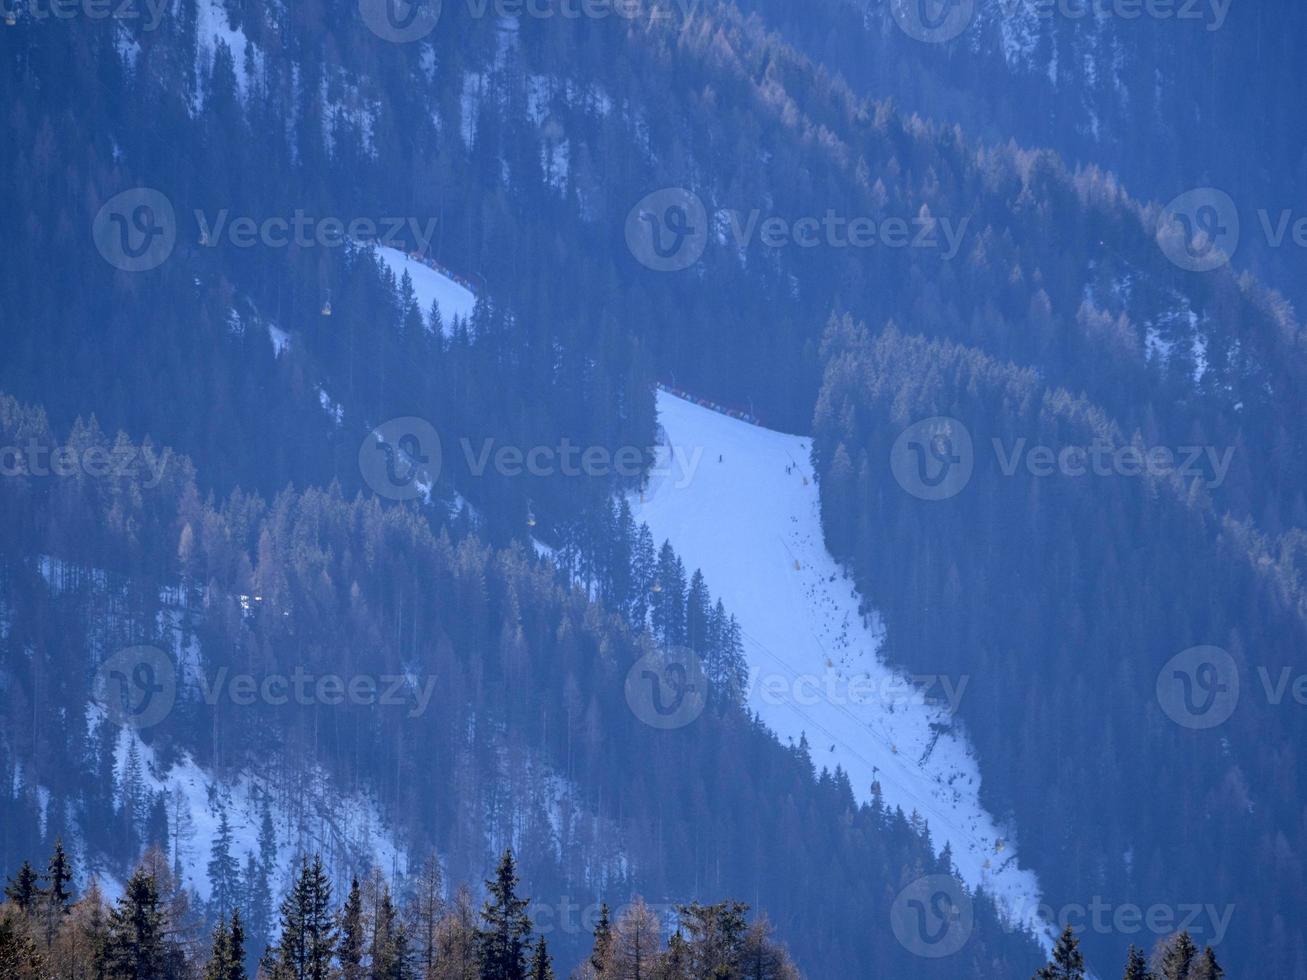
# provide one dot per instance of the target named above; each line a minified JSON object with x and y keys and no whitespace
{"x":147,"y":934}
{"x":1057,"y":75}
{"x":1062,"y":597}
{"x":1040,"y":277}
{"x":568,"y":336}
{"x":530,"y":669}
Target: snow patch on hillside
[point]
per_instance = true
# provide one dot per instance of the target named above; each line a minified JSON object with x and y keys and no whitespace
{"x":748,"y":516}
{"x":455,"y":299}
{"x":317,"y":818}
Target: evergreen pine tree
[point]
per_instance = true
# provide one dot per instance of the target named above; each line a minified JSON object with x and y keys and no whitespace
{"x":502,"y":942}
{"x":135,"y":949}
{"x":236,"y":948}
{"x":602,"y":941}
{"x":697,"y":613}
{"x":1068,"y":962}
{"x":223,"y":869}
{"x":308,"y":937}
{"x":23,"y":890}
{"x":542,"y":965}
{"x":1207,"y":968}
{"x":349,"y":950}
{"x":1178,"y":956}
{"x":257,"y":895}
{"x":59,"y":874}
{"x":219,"y":965}
{"x":1136,"y":965}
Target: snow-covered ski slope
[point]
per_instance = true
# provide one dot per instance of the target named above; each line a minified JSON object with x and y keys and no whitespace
{"x":754,"y":530}
{"x":428,"y":284}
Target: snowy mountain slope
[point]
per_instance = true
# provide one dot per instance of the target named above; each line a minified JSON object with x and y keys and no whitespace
{"x":747,"y":515}
{"x":455,"y":299}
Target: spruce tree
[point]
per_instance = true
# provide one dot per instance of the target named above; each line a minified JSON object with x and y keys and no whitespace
{"x":219,"y":965}
{"x":236,"y":948}
{"x":223,"y":869}
{"x":349,"y":950}
{"x":23,"y":889}
{"x":308,"y":937}
{"x":1178,"y":956}
{"x":603,"y":940}
{"x":134,"y":949}
{"x":1068,"y":962}
{"x":1207,"y":967}
{"x":1136,"y":965}
{"x":59,"y":874}
{"x":542,"y":965}
{"x":502,"y":942}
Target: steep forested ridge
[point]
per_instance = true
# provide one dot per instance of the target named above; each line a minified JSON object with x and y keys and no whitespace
{"x":529,"y":140}
{"x":1043,"y":588}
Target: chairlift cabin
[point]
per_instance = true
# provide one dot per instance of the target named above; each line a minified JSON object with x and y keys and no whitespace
{"x":326,"y":305}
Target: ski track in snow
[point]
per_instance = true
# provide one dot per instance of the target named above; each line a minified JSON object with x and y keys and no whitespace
{"x":428,"y":284}
{"x":746,"y":522}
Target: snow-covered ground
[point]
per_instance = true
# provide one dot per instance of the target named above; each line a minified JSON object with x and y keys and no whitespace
{"x":747,"y":516}
{"x":346,"y":829}
{"x":428,"y":284}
